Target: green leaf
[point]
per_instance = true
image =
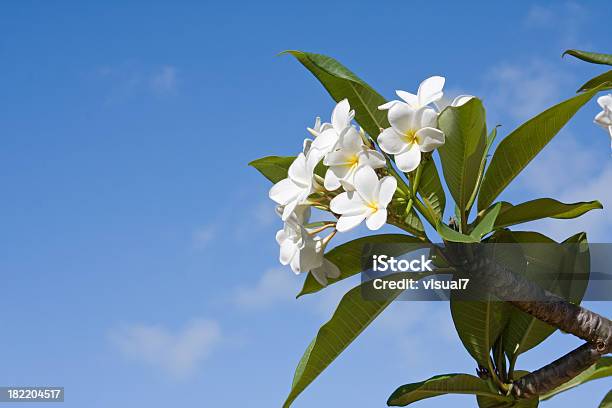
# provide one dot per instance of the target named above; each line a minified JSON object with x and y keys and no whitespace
{"x":449,"y":234}
{"x":592,"y":57}
{"x":431,"y":189}
{"x":409,"y":222}
{"x":274,"y":168}
{"x":461,"y":155}
{"x":602,"y":368}
{"x":605,"y":78}
{"x":486,"y":402}
{"x":482,"y":228}
{"x":542,"y":208}
{"x":543,"y":262}
{"x":607,"y":401}
{"x":342,"y":83}
{"x":523,"y":144}
{"x":351,"y":317}
{"x":508,"y":402}
{"x":487,"y":222}
{"x":483,"y":164}
{"x":478,"y":323}
{"x":349,"y":257}
{"x":441,"y":385}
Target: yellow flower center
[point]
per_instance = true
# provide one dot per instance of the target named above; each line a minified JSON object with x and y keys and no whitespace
{"x":373,"y":206}
{"x":353,"y":161}
{"x":410,"y":136}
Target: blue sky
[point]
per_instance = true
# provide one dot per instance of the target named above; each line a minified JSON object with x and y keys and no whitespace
{"x":137,"y":255}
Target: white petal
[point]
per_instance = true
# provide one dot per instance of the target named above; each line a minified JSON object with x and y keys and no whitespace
{"x":326,"y":270}
{"x":312,"y":159}
{"x":366,"y":183}
{"x":348,"y":222}
{"x":339,"y":158}
{"x":306,"y":145}
{"x":387,"y":187}
{"x":461,"y":100}
{"x":401,"y":117}
{"x":351,"y":140}
{"x":347,"y":203}
{"x":427,"y":117}
{"x":430,"y":90}
{"x":343,"y":172}
{"x":316,"y":129}
{"x":377,"y":219}
{"x":341,"y":115}
{"x":409,"y":160}
{"x":326,"y":141}
{"x":391,"y":142}
{"x":306,"y":258}
{"x":388,"y":105}
{"x":288,"y":250}
{"x":348,"y":182}
{"x":281,"y":236}
{"x":302,"y":214}
{"x":372,"y":158}
{"x":411,"y":99}
{"x":604,"y":118}
{"x":332,"y":182}
{"x":284,"y":191}
{"x":289,"y":208}
{"x":605,"y":101}
{"x":331,"y":270}
{"x":298,"y":171}
{"x":319,"y":275}
{"x":430,"y":138}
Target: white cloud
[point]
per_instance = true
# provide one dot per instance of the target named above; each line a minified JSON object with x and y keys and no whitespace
{"x":523,"y":89}
{"x":598,"y":223}
{"x":164,"y":80}
{"x":176,"y":353}
{"x":565,"y":19}
{"x":554,"y":161}
{"x":131,"y":79}
{"x":275,"y":285}
{"x":571,"y":172}
{"x":203,"y":236}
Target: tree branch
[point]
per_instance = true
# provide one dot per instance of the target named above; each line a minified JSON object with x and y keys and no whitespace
{"x":550,"y":308}
{"x":557,"y":373}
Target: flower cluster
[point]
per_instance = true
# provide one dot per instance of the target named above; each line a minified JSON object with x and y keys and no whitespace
{"x":604,"y":118}
{"x":350,"y":162}
{"x":413,"y":123}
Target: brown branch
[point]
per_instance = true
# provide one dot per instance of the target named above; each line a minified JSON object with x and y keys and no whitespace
{"x":557,"y":373}
{"x":532,"y":299}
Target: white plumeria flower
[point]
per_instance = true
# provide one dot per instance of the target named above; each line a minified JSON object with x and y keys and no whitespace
{"x":297,"y":248}
{"x":300,"y":215}
{"x":295,"y":189}
{"x":351,"y":154}
{"x":302,"y":251}
{"x":327,"y":269}
{"x":604,"y":118}
{"x":327,"y":134}
{"x":411,"y":133}
{"x":430,"y":91}
{"x":315,"y":131}
{"x":368,"y":202}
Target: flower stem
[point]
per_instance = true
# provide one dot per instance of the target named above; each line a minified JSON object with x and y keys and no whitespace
{"x":322,"y":228}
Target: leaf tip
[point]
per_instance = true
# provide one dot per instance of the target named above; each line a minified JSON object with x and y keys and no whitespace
{"x":289,"y":52}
